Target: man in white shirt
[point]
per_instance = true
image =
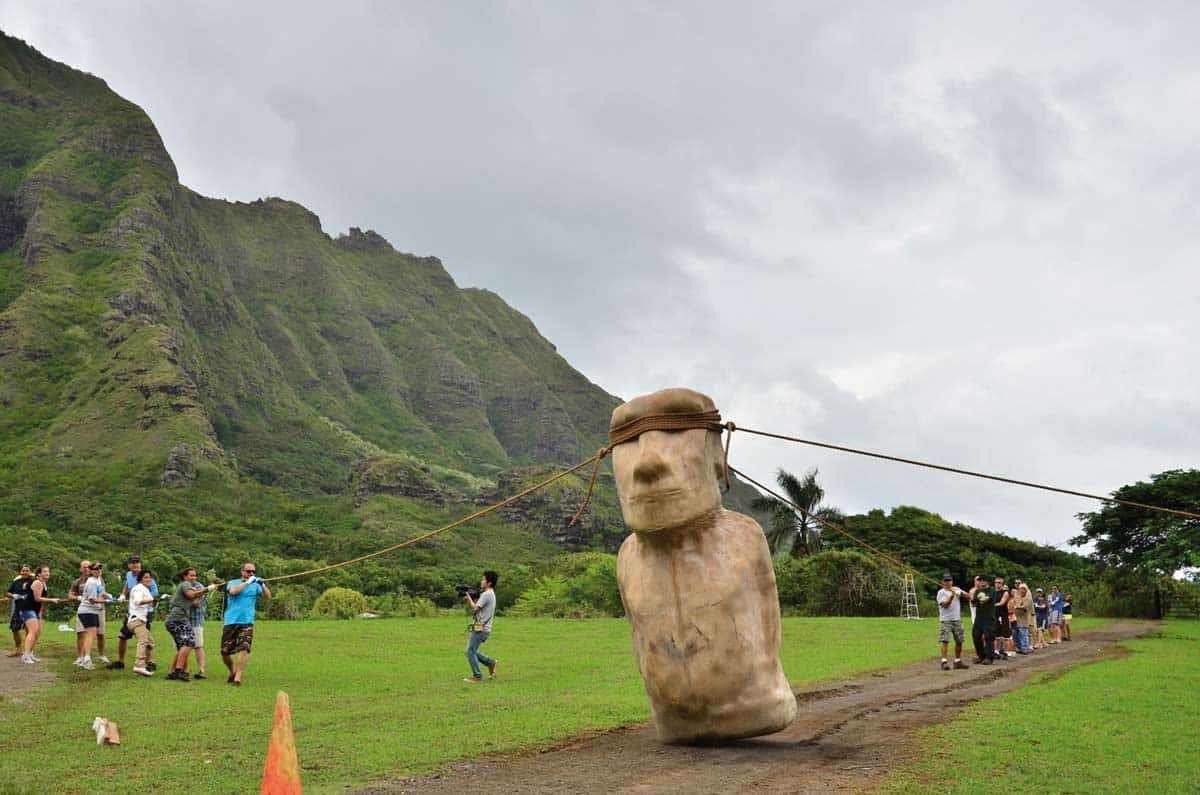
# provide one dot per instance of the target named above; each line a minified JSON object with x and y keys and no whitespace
{"x":950,"y":621}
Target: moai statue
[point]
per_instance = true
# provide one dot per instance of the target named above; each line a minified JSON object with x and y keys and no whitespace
{"x":696,"y":579}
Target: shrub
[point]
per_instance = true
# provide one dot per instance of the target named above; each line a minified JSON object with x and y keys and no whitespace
{"x":339,"y":603}
{"x":402,"y":605}
{"x":551,"y":597}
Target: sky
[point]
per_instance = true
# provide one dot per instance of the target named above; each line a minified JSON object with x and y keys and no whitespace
{"x":958,"y":232}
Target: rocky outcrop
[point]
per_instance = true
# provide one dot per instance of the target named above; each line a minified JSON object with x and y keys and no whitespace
{"x":395,"y":476}
{"x":550,"y":509}
{"x":179,"y":472}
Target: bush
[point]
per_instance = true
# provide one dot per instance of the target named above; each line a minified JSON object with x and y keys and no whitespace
{"x":551,"y":597}
{"x":339,"y":603}
{"x":838,"y":583}
{"x":402,"y":605}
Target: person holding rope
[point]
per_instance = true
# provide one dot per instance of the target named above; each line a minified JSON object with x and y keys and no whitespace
{"x":196,"y":614}
{"x":137,"y":622}
{"x":16,"y":592}
{"x":983,"y":629}
{"x":484,"y":611}
{"x":90,"y":615}
{"x":238,"y":635}
{"x":132,"y":578}
{"x":179,"y":621}
{"x":950,"y":621}
{"x":30,"y":609}
{"x":75,"y":594}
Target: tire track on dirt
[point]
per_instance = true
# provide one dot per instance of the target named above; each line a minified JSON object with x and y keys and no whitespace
{"x":848,"y":736}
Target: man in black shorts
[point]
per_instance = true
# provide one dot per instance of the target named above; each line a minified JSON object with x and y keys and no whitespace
{"x":1003,"y":626}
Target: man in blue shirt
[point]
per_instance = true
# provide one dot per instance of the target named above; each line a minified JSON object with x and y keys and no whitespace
{"x":241,"y":597}
{"x":132,"y":576}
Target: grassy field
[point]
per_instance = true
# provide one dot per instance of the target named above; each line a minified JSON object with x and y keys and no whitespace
{"x":372,"y":699}
{"x":1126,"y":724}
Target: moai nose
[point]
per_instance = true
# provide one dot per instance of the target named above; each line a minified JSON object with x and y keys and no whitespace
{"x":650,"y":466}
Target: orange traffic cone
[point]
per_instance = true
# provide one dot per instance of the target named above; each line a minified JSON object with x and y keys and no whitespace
{"x":281,"y":773}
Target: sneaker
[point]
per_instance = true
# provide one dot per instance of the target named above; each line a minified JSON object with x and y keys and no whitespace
{"x":199,"y":675}
{"x":173,"y":675}
{"x":945,"y":665}
{"x":115,"y":666}
{"x":182,"y":675}
{"x":78,"y":660}
{"x":142,"y":671}
{"x":492,"y":669}
{"x":150,"y":666}
{"x":959,"y":665}
{"x":473,"y":680}
{"x":35,"y":658}
{"x":27,"y":659}
{"x":986,"y":662}
{"x":87,"y":665}
{"x":102,"y":660}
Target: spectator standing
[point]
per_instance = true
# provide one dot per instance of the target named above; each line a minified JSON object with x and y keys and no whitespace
{"x":1041,"y":609}
{"x":983,"y":628}
{"x":1003,"y":628}
{"x":138,"y":622}
{"x":16,"y":592}
{"x":92,"y":600}
{"x":1055,"y":619}
{"x":238,"y":634}
{"x":950,"y":621}
{"x":481,"y":627}
{"x":1066,"y":617}
{"x":1022,"y":605}
{"x":132,"y":577}
{"x":31,"y":607}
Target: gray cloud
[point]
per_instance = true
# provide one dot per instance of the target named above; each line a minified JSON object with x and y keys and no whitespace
{"x":956,"y":232}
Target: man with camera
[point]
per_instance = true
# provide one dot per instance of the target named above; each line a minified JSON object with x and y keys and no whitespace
{"x":484,"y":610}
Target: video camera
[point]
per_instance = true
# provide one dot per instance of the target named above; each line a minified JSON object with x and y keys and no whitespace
{"x":464,"y":589}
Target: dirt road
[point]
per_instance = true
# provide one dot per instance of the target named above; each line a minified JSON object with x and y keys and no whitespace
{"x":847,"y":737}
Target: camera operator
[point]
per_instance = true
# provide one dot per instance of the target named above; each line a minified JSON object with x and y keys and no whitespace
{"x":481,"y":626}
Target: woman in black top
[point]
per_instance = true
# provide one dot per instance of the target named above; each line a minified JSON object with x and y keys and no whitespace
{"x":30,"y":609}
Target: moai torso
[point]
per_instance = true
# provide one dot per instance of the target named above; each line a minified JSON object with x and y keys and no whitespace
{"x":704,"y":612}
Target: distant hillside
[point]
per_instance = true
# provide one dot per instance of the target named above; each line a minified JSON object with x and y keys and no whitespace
{"x":204,"y":380}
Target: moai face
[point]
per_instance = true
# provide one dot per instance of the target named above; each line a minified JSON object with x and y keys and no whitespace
{"x":667,"y":478}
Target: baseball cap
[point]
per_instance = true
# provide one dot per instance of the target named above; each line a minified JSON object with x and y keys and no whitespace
{"x":134,"y":559}
{"x":95,"y":566}
{"x":1039,"y":590}
{"x":947,"y":576}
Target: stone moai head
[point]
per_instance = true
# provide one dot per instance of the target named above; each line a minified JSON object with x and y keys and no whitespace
{"x":667,"y":477}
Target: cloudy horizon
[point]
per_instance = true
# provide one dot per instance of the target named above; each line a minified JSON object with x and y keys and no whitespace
{"x":954,"y":232}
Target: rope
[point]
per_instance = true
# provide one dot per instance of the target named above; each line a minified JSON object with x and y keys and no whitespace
{"x":1159,"y":508}
{"x":835,"y":527}
{"x":459,"y":523}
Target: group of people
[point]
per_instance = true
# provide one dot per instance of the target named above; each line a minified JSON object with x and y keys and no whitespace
{"x":1005,"y":621}
{"x":29,"y":594}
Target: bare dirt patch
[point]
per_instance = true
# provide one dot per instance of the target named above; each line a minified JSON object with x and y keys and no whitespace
{"x":847,"y":737}
{"x":18,"y":681}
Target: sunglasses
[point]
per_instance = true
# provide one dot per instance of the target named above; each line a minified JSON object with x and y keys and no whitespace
{"x":249,"y":571}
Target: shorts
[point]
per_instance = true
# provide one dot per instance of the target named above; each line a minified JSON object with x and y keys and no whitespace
{"x":181,"y":633}
{"x":1003,"y":629}
{"x":1066,"y":618}
{"x":949,"y":628}
{"x":1041,"y":622}
{"x":1055,"y":616}
{"x":198,"y":634}
{"x":29,"y":615}
{"x":236,"y":637}
{"x":80,"y":626}
{"x":86,"y":621}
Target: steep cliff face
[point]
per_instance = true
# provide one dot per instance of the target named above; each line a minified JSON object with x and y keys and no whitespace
{"x":137,"y":316}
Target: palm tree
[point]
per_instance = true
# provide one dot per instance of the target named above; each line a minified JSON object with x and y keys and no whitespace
{"x":792,"y":531}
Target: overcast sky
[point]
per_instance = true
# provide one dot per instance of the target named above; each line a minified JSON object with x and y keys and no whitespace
{"x":966,"y":233}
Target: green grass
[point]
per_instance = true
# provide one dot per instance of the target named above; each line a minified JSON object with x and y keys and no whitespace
{"x":1125,"y":724}
{"x":372,"y":699}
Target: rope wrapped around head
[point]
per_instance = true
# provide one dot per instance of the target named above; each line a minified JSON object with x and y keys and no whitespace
{"x":628,"y":431}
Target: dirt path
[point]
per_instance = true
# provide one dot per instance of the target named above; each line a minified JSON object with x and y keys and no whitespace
{"x":18,"y":680}
{"x":847,"y":737}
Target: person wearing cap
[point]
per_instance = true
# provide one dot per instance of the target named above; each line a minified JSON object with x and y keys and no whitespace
{"x":950,"y":621}
{"x":1041,"y":609}
{"x":132,"y":577}
{"x":983,"y":628}
{"x":1054,"y":620}
{"x":92,"y":599}
{"x":75,"y":594}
